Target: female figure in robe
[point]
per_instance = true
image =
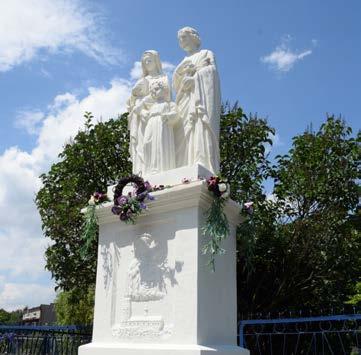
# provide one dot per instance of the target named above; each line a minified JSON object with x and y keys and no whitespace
{"x":158,"y":141}
{"x":198,"y":98}
{"x":151,"y":71}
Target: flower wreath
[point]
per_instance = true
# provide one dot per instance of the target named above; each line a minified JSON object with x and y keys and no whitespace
{"x":129,"y":206}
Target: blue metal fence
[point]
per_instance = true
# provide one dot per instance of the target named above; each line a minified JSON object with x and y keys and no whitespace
{"x":43,"y":340}
{"x":323,"y":335}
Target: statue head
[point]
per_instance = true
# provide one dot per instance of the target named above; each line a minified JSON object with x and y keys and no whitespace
{"x":151,"y":64}
{"x":189,"y":39}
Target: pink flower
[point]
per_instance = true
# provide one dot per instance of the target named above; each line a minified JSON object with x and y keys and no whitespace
{"x":248,"y":204}
{"x":147,"y":186}
{"x":249,"y":207}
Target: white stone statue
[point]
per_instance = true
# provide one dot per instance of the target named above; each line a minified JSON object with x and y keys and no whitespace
{"x":159,"y":116}
{"x":198,"y":98}
{"x":152,"y":72}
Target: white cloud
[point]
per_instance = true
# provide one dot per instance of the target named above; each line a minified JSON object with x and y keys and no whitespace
{"x":38,"y":27}
{"x":65,"y":115}
{"x":136,"y":71}
{"x":23,"y":246}
{"x":168,"y":68}
{"x":18,"y":295}
{"x":282,"y":59}
{"x":276,"y":142}
{"x":29,"y":120}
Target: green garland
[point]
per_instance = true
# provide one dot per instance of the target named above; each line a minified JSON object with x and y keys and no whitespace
{"x":216,"y":227}
{"x":90,"y":224}
{"x":89,"y":230}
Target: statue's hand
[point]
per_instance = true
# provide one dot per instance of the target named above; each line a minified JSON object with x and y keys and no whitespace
{"x":192,"y":118}
{"x":206,"y":120}
{"x":206,"y":62}
{"x":190,"y":69}
{"x":188,"y":83}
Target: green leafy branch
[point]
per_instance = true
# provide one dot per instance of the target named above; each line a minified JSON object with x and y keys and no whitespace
{"x":216,"y":229}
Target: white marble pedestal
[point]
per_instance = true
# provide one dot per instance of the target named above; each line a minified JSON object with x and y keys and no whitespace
{"x":154,"y":292}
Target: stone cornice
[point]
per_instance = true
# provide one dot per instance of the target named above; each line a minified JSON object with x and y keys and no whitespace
{"x":177,"y":197}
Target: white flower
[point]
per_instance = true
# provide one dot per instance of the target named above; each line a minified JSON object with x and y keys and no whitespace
{"x":91,"y":201}
{"x":225,"y":195}
{"x":222,"y":187}
{"x":248,"y":204}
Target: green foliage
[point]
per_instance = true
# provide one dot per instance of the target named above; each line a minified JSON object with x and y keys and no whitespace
{"x":355,"y":299}
{"x":4,"y":316}
{"x":13,"y":317}
{"x":97,"y":156}
{"x":243,"y":142}
{"x":16,"y":316}
{"x":75,"y":306}
{"x":299,"y":249}
{"x":304,"y":249}
{"x":89,"y":231}
{"x":216,"y":228}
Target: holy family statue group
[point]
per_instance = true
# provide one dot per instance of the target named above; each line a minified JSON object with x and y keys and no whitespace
{"x":167,"y":134}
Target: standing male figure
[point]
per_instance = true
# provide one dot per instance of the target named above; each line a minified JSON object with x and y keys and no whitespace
{"x":198,"y":96}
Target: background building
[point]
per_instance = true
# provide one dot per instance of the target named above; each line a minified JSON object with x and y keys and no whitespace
{"x":41,"y":315}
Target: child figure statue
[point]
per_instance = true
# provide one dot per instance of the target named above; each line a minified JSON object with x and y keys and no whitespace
{"x":159,"y":115}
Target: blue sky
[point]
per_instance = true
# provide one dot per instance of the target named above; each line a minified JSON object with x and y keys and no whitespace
{"x":289,"y":61}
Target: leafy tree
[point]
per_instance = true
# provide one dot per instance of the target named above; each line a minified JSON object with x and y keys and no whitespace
{"x":243,"y":142}
{"x":305,"y":249}
{"x":99,"y":155}
{"x":16,"y":316}
{"x":95,"y":157}
{"x":75,"y":306}
{"x":300,"y":248}
{"x":13,"y":317}
{"x":4,"y":316}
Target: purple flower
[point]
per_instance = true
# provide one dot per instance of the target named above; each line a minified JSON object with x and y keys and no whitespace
{"x":143,"y":206}
{"x":116,"y":209}
{"x":123,"y":216}
{"x":122,"y":200}
{"x":98,"y":195}
{"x":150,"y":197}
{"x":147,"y":186}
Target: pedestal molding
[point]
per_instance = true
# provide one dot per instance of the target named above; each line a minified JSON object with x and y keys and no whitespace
{"x":175,"y":198}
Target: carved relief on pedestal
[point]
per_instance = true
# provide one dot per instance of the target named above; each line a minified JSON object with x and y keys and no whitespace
{"x":147,"y":275}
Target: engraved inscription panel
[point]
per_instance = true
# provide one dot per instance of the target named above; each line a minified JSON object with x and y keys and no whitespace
{"x":147,"y":281}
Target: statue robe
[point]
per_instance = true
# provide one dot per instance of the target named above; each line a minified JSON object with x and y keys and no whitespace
{"x":159,"y":154}
{"x":197,"y":135}
{"x":136,"y":124}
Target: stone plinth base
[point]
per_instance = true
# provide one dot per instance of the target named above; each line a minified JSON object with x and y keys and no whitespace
{"x":159,"y":349}
{"x":155,"y":293}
